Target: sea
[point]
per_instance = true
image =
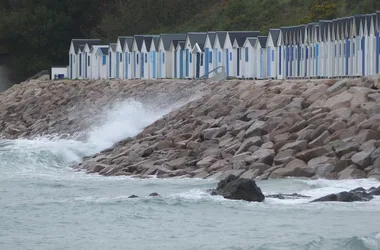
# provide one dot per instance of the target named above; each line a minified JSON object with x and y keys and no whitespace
{"x":45,"y":204}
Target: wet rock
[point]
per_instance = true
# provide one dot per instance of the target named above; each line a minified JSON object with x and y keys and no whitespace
{"x":342,"y":148}
{"x":253,"y":141}
{"x":293,"y":196}
{"x":154,"y":195}
{"x":235,"y":188}
{"x":352,"y":172}
{"x":362,"y":159}
{"x":295,"y":168}
{"x":345,"y":197}
{"x":309,"y":154}
{"x":262,"y":156}
{"x":206,"y":162}
{"x":133,"y":196}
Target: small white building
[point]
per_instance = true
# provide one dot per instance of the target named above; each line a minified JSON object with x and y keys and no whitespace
{"x":280,"y":56}
{"x":209,"y":60}
{"x":93,"y":72}
{"x":136,"y":54}
{"x":272,"y":53}
{"x":219,"y":56}
{"x":146,"y":57}
{"x":260,"y":56}
{"x":111,"y":61}
{"x":248,"y":69}
{"x":232,"y":49}
{"x":193,"y":53}
{"x":153,"y":57}
{"x":121,"y":54}
{"x":165,"y":62}
{"x":59,"y":72}
{"x":180,"y":55}
{"x":128,"y":58}
{"x":75,"y":56}
{"x":101,"y":63}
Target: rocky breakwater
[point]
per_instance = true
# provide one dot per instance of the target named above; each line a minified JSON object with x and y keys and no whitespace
{"x":264,"y":129}
{"x":70,"y":108}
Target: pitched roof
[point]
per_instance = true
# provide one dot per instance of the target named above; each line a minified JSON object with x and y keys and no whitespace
{"x":196,"y":37}
{"x":275,"y":33}
{"x":113,"y":46}
{"x":262,"y":41}
{"x":168,"y":38}
{"x":182,"y":44}
{"x":175,"y":42}
{"x":139,"y":41}
{"x":104,"y":50}
{"x":122,"y":40}
{"x":129,"y":42}
{"x":78,"y":42}
{"x":148,"y":42}
{"x":221,"y":37}
{"x":156,"y":40}
{"x":240,"y":36}
{"x":252,"y":41}
{"x":211,"y":35}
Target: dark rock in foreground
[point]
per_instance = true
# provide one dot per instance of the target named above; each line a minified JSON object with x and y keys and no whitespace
{"x":235,"y":188}
{"x":154,"y":194}
{"x":357,"y":194}
{"x":133,"y":196}
{"x":293,"y":196}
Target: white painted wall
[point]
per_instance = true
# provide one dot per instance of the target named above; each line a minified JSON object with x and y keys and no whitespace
{"x":55,"y":71}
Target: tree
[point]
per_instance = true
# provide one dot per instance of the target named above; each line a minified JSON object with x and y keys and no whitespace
{"x":321,"y":10}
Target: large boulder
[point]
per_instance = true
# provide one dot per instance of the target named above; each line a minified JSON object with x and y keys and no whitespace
{"x":235,"y":188}
{"x":295,"y":168}
{"x":344,"y":197}
{"x":357,"y":194}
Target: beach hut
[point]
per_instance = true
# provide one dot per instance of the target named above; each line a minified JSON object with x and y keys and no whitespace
{"x":128,"y":57}
{"x":120,"y":55}
{"x":260,"y":57}
{"x":370,"y":27}
{"x":102,"y":58}
{"x":280,"y":56}
{"x":219,"y":58}
{"x":153,"y":56}
{"x":272,"y":52}
{"x":146,"y":57}
{"x":111,"y":61}
{"x":324,"y":45}
{"x":138,"y":64}
{"x":193,"y":53}
{"x":93,"y":61}
{"x":74,"y":63}
{"x":377,"y":37}
{"x":166,"y":54}
{"x":180,"y":55}
{"x":209,"y":62}
{"x":199,"y":60}
{"x":177,"y":57}
{"x":248,"y":70}
{"x":232,"y":49}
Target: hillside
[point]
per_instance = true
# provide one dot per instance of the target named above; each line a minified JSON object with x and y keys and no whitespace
{"x":41,"y":30}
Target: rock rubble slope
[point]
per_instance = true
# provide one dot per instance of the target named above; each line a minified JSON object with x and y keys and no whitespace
{"x":251,"y":129}
{"x":264,"y":129}
{"x":67,"y":108}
